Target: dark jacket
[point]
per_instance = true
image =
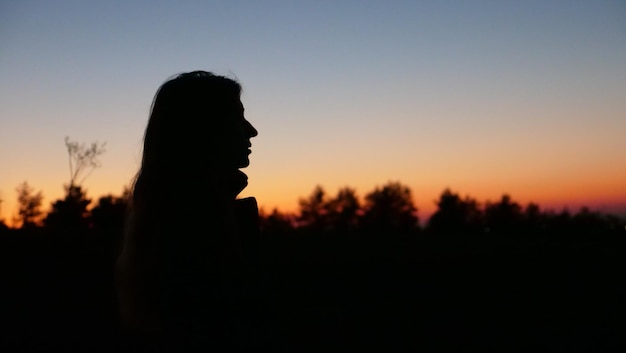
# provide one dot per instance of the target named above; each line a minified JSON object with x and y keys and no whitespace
{"x":200,"y":286}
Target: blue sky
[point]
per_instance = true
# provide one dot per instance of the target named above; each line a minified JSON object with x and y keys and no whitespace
{"x":486,"y":97}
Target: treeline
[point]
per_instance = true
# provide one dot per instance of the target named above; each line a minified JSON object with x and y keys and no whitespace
{"x":75,"y":213}
{"x":388,"y":209}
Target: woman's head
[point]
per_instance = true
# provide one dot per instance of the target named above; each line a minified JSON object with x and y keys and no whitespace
{"x":197,"y":122}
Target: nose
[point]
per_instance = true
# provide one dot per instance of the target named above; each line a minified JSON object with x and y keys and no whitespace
{"x":252,"y":132}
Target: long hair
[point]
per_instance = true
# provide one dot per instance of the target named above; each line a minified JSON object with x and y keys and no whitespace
{"x":184,"y":124}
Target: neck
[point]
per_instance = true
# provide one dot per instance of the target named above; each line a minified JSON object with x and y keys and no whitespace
{"x":234,"y":181}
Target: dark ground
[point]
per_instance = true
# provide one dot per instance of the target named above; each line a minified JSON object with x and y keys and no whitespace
{"x":380,"y":293}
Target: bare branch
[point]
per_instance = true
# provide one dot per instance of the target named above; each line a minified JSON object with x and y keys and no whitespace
{"x":82,"y":159}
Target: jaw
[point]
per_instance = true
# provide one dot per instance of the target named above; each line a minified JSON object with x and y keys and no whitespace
{"x":244,"y":163}
{"x":243,"y":159}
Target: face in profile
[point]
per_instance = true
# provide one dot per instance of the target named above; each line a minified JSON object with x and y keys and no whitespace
{"x":237,"y":132}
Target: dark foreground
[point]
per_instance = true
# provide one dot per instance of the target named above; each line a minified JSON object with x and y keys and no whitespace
{"x":433,"y":294}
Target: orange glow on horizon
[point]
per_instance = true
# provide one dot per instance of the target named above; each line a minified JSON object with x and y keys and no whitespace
{"x":608,"y":196}
{"x":601,"y":197}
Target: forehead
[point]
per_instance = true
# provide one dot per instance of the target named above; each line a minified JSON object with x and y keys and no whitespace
{"x":221,"y":103}
{"x":238,"y":107}
{"x":233,"y":104}
{"x":232,"y":109}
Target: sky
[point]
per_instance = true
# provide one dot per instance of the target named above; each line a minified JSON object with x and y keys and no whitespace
{"x":483,"y":97}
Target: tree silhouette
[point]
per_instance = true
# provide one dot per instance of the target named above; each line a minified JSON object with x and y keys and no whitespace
{"x":29,"y":207}
{"x":344,"y":210}
{"x":1,"y":201}
{"x":456,"y":216}
{"x":70,"y":213}
{"x":108,"y":217}
{"x":109,"y":213}
{"x":533,"y":219}
{"x":590,"y":222}
{"x":390,"y":209}
{"x":3,"y":226}
{"x":559,"y":223}
{"x":314,"y":211}
{"x":504,"y":216}
{"x":276,"y":222}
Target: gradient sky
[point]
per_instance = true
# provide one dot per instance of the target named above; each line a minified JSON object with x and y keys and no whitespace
{"x":484,"y":97}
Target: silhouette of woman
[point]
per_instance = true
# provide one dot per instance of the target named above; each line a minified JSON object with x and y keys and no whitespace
{"x":185,"y":274}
